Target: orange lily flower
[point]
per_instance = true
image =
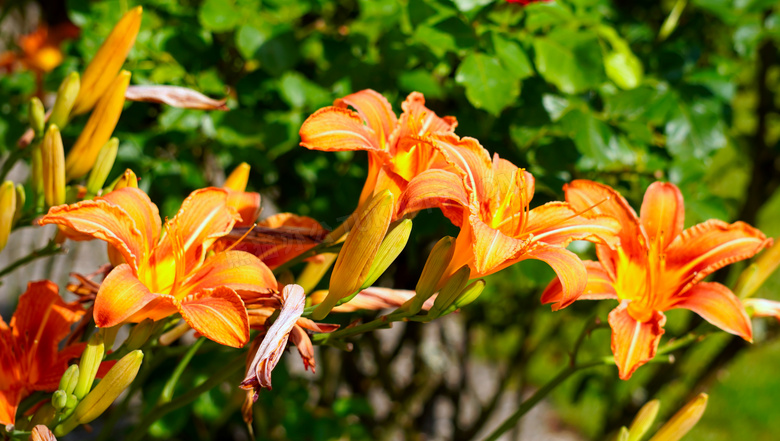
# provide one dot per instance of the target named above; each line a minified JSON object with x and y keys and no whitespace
{"x":162,"y":274}
{"x":659,"y":266}
{"x":30,"y":359}
{"x":395,"y":155}
{"x":490,"y":201}
{"x":40,"y":49}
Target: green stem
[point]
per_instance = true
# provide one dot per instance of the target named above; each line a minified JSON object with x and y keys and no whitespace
{"x":321,"y":248}
{"x":167,"y":393}
{"x":16,"y":155}
{"x":50,"y":249}
{"x":160,"y":411}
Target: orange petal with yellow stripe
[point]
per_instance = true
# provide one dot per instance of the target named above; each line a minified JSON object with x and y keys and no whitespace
{"x":719,"y":306}
{"x":140,"y":208}
{"x":375,"y":110}
{"x":663,"y":213}
{"x":435,"y":189}
{"x":237,"y":270}
{"x":218,"y":314}
{"x":557,"y":223}
{"x":337,"y":129}
{"x":120,"y":296}
{"x":634,"y":343}
{"x":599,"y":286}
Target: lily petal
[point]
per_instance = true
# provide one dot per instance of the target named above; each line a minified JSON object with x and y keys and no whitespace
{"x":375,"y":110}
{"x":419,"y":120}
{"x":492,"y":248}
{"x":763,"y":307}
{"x":337,"y":129}
{"x":572,"y":273}
{"x":218,"y":314}
{"x":99,"y":219}
{"x":9,"y":402}
{"x":301,"y":340}
{"x":175,"y":96}
{"x":435,"y":189}
{"x":275,"y":340}
{"x":663,"y":213}
{"x":719,"y":306}
{"x":711,"y":245}
{"x":247,"y":204}
{"x":120,"y":296}
{"x":557,"y":223}
{"x":634,"y":343}
{"x":470,"y":159}
{"x":140,"y":208}
{"x":236,"y":270}
{"x":599,"y":287}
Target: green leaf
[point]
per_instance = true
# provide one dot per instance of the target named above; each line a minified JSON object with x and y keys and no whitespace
{"x":488,"y":84}
{"x":219,"y":15}
{"x":570,"y":60}
{"x":624,"y":68}
{"x":421,"y":80}
{"x":600,"y":148}
{"x":512,"y":57}
{"x":249,"y":39}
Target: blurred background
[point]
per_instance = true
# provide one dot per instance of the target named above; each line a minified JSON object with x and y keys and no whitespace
{"x":622,"y":92}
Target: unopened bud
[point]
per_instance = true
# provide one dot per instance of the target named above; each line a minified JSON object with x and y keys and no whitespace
{"x":469,"y":294}
{"x":37,"y":116}
{"x":59,"y":399}
{"x":7,"y":211}
{"x":758,"y":272}
{"x":114,"y":383}
{"x":98,"y":130}
{"x":434,"y":268}
{"x":43,"y":416}
{"x":103,"y":164}
{"x":89,"y":364}
{"x":128,"y":179}
{"x":623,"y":434}
{"x":452,"y":288}
{"x":358,"y":252}
{"x":643,"y":420}
{"x":391,"y":247}
{"x":69,"y":379}
{"x":139,"y":334}
{"x":21,"y":198}
{"x":238,"y":178}
{"x":53,"y":161}
{"x":66,"y":97}
{"x":36,"y":175}
{"x":683,"y":421}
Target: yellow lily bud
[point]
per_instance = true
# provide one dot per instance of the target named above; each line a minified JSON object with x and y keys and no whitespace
{"x":469,"y":294}
{"x":623,"y":434}
{"x":391,"y":247}
{"x":69,"y":379}
{"x":313,"y":272}
{"x":53,"y":163}
{"x":450,"y":291}
{"x":36,"y":175}
{"x":110,"y":387}
{"x":59,"y":399}
{"x":99,"y":127}
{"x":108,"y":60}
{"x":7,"y":210}
{"x":43,"y":416}
{"x":66,"y":97}
{"x":139,"y":334}
{"x":238,"y":178}
{"x":21,"y":198}
{"x":89,"y":364}
{"x":643,"y":420}
{"x":128,"y":179}
{"x":114,"y":383}
{"x":358,"y":252}
{"x":683,"y":421}
{"x":756,"y":274}
{"x":434,"y":268}
{"x":37,"y":116}
{"x":103,"y":164}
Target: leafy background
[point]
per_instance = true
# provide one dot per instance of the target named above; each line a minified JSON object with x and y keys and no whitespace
{"x":568,"y":89}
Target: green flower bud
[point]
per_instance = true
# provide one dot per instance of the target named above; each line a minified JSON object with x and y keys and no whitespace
{"x":66,"y":97}
{"x":37,"y":116}
{"x":89,"y":364}
{"x":434,"y":268}
{"x":139,"y":334}
{"x":103,"y":164}
{"x":391,"y":247}
{"x":7,"y":211}
{"x":451,"y":290}
{"x":21,"y":198}
{"x":114,"y":383}
{"x":69,"y":379}
{"x":53,"y":161}
{"x":59,"y":399}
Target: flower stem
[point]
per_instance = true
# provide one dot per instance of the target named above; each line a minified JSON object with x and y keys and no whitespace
{"x":50,"y":249}
{"x":167,"y":393}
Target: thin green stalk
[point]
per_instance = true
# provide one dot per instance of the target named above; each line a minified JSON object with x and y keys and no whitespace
{"x":50,"y":249}
{"x":170,"y":385}
{"x":160,"y":411}
{"x":321,"y":248}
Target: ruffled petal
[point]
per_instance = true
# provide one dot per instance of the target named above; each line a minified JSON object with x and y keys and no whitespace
{"x":246,"y":204}
{"x":121,"y":295}
{"x":140,"y":208}
{"x":100,"y":219}
{"x":493,"y":250}
{"x":663,"y":213}
{"x":599,"y":287}
{"x":275,"y":340}
{"x":711,"y":245}
{"x":375,"y":110}
{"x":719,"y":306}
{"x":468,"y":158}
{"x":237,"y":270}
{"x":571,"y":271}
{"x":218,"y":314}
{"x":557,"y":223}
{"x":418,"y":120}
{"x":634,"y":343}
{"x":337,"y":129}
{"x":435,"y":189}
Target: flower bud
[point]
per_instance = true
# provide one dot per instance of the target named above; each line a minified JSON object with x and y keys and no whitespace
{"x":128,"y":179}
{"x":751,"y":279}
{"x":114,"y":383}
{"x":89,"y":364}
{"x":238,"y":178}
{"x":139,"y":334}
{"x":451,"y":290}
{"x":69,"y":379}
{"x":469,"y":294}
{"x":99,"y":127}
{"x":104,"y":67}
{"x":36,"y":175}
{"x":623,"y":434}
{"x":358,"y":252}
{"x":21,"y":198}
{"x":66,"y":97}
{"x":683,"y":421}
{"x":43,"y":416}
{"x":391,"y":247}
{"x":103,"y":164}
{"x":643,"y":420}
{"x":434,"y":268}
{"x":53,"y":162}
{"x":59,"y":399}
{"x":37,"y":116}
{"x":7,"y":211}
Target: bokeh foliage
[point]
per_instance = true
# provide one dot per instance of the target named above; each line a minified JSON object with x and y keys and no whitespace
{"x":569,"y":89}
